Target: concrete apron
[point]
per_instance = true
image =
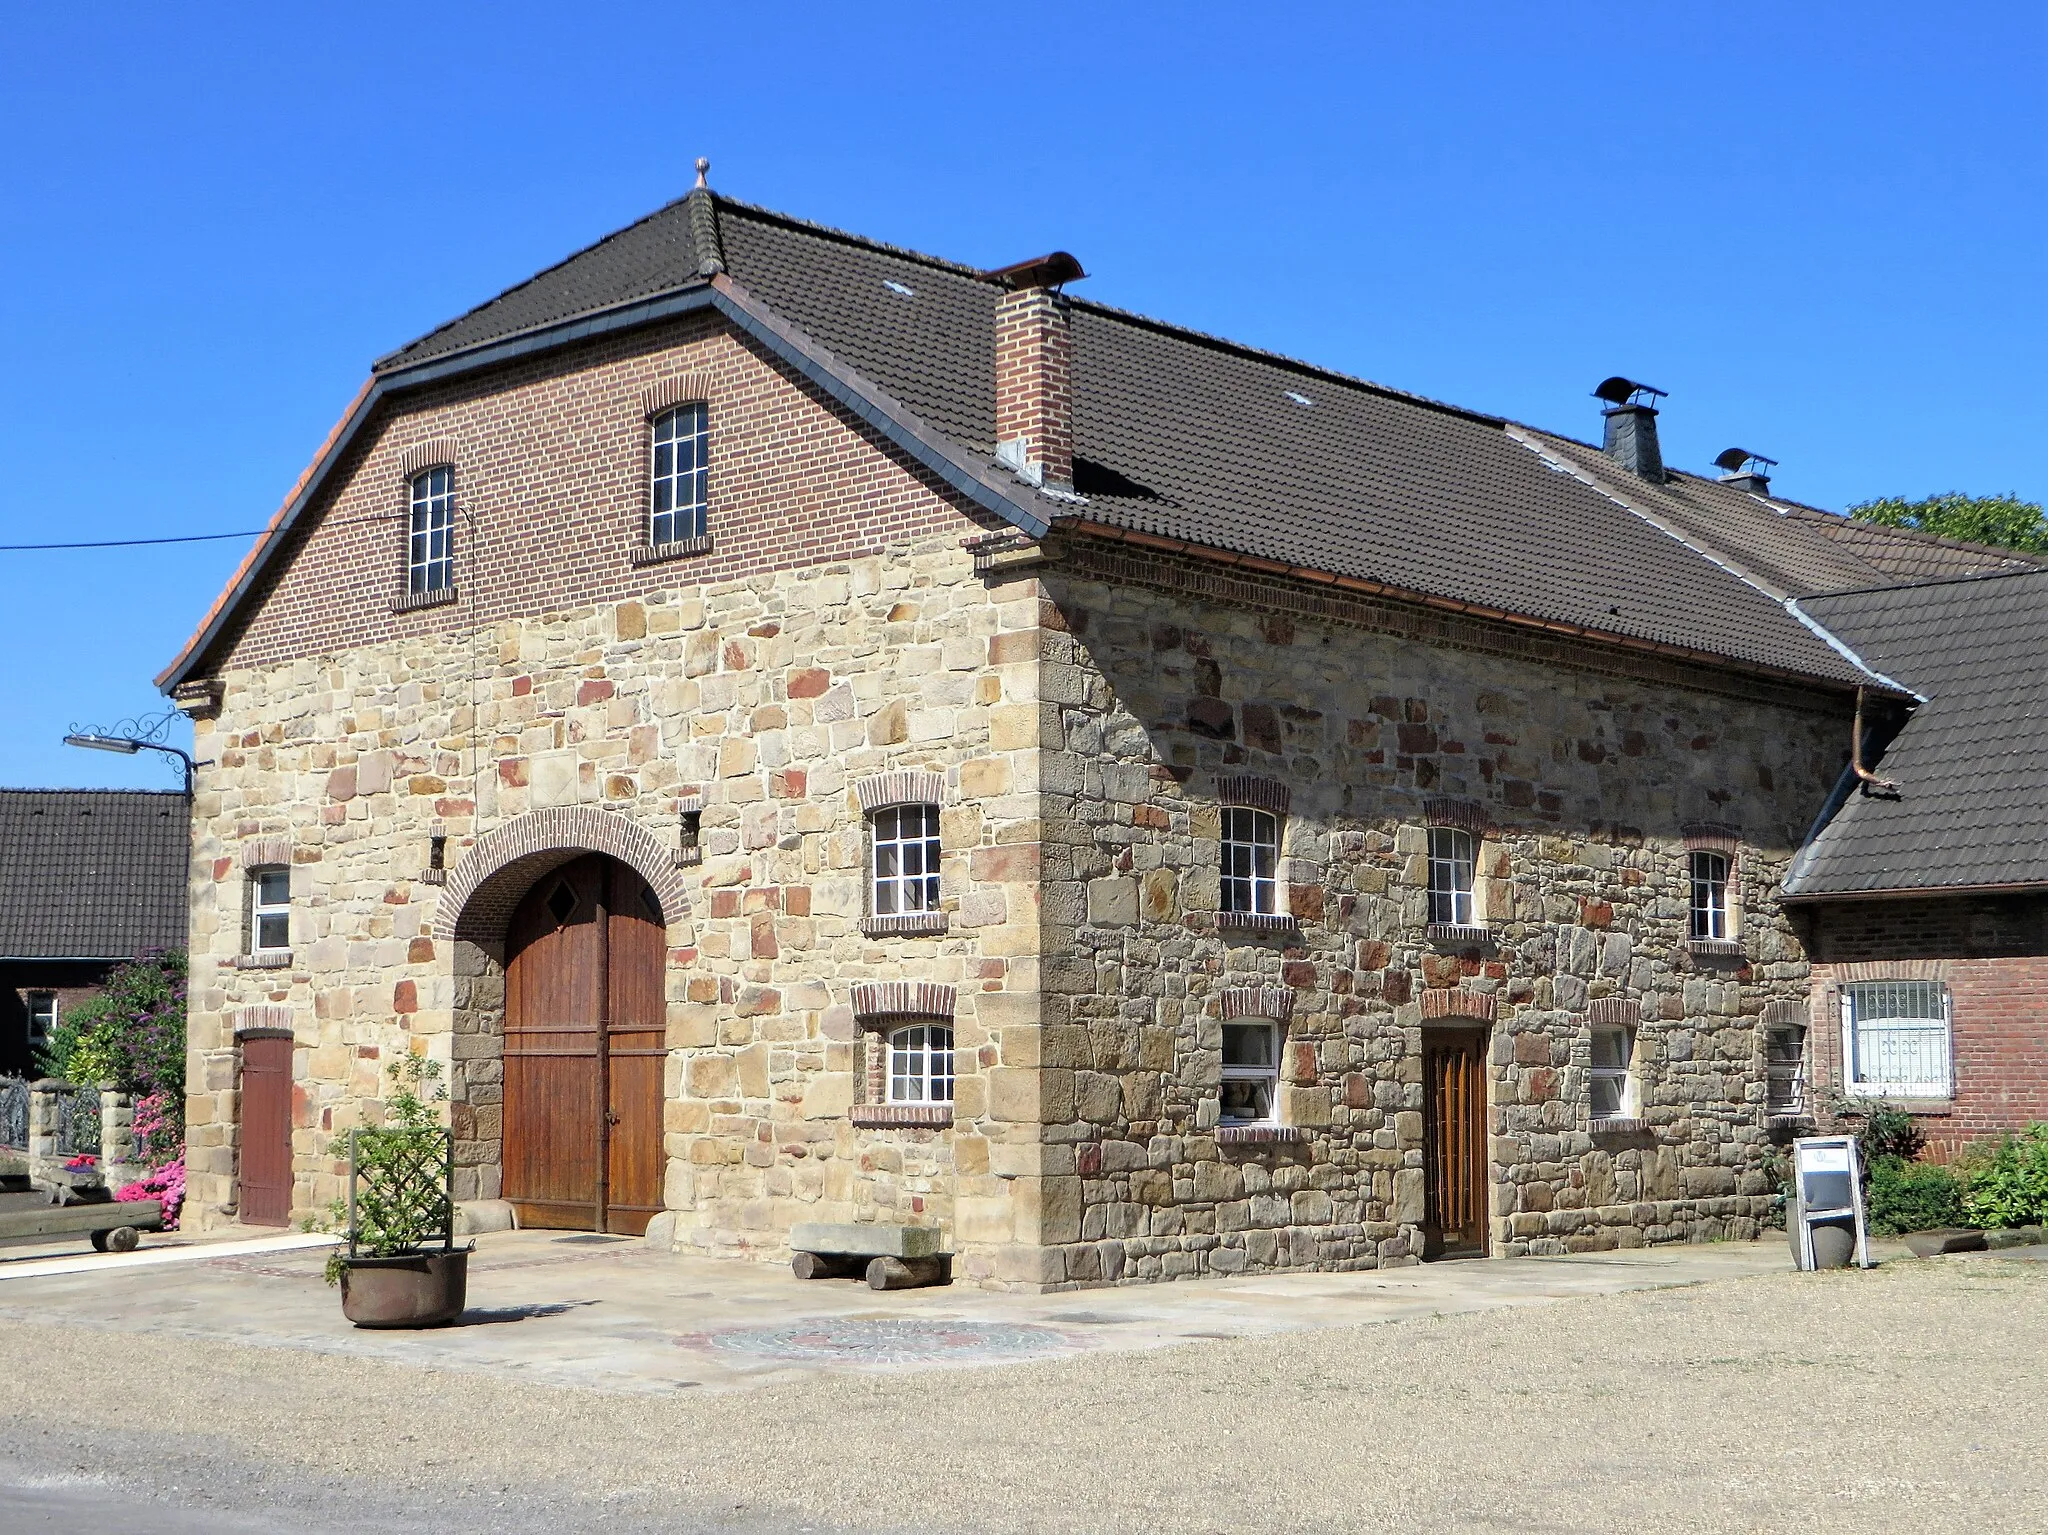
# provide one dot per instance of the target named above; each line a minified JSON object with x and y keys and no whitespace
{"x":607,"y":1314}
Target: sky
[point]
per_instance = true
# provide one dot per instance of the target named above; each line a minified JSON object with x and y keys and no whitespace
{"x":1820,"y":228}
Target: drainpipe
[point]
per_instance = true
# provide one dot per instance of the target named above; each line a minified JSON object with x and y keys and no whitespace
{"x":1869,"y":779}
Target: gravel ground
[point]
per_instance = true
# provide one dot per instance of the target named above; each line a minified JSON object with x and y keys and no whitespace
{"x":1907,"y":1398}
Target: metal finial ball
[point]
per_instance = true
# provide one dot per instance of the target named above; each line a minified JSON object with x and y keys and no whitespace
{"x":703,"y":171}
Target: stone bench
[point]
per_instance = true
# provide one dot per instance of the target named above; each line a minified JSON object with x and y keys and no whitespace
{"x":891,"y":1257}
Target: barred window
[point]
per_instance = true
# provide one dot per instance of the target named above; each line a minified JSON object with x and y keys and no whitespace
{"x":682,"y":475}
{"x":1450,"y":876}
{"x":1251,"y":1072}
{"x":270,"y":910}
{"x":1710,"y":913}
{"x":906,"y":859}
{"x":1251,"y":860}
{"x":1613,"y":1077}
{"x":430,"y":549}
{"x":921,"y":1064}
{"x":1785,"y":1070}
{"x":1896,"y":1039}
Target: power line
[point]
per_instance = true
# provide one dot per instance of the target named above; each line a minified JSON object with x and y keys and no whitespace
{"x":191,"y":538}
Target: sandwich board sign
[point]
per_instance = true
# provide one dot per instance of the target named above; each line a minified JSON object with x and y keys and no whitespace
{"x":1827,"y":1191}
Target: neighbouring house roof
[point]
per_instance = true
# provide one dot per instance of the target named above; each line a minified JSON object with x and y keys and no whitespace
{"x":91,"y":873}
{"x":1193,"y":440}
{"x":1970,"y":811}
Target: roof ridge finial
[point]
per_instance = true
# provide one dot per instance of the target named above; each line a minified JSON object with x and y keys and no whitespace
{"x":703,"y":172}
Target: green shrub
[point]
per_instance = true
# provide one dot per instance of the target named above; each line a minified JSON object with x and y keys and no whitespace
{"x":1913,"y":1196}
{"x":2009,"y":1187}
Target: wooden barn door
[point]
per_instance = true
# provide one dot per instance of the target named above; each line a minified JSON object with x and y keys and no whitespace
{"x":1454,"y":1143}
{"x":265,"y":1196}
{"x":585,"y":1038}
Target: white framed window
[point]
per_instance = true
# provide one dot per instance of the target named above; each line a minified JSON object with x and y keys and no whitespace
{"x":1895,"y":1039}
{"x":1613,"y":1076}
{"x":1785,"y":1070}
{"x":430,"y":548}
{"x":682,"y":476}
{"x":1712,"y":915}
{"x":1251,"y":1072}
{"x":42,"y":1018}
{"x":270,"y":911}
{"x":906,"y":859}
{"x":1451,"y":866}
{"x":921,"y":1063}
{"x":1251,"y":860}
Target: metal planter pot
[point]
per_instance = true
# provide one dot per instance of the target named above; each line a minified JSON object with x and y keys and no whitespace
{"x":416,"y":1290}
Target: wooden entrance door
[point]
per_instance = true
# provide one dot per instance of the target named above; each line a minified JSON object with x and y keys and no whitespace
{"x":265,"y":1195}
{"x":1454,"y":1143}
{"x":585,"y":1041}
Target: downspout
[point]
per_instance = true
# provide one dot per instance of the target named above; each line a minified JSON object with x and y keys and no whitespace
{"x":1852,"y":773}
{"x":1856,"y":754}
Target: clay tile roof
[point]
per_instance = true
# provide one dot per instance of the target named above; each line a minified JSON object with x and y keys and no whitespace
{"x":91,"y":873}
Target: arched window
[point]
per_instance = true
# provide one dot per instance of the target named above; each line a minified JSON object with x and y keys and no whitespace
{"x":906,"y":860}
{"x":1451,"y":864}
{"x":430,"y":547}
{"x":1251,"y":860}
{"x":682,"y":452}
{"x":921,"y":1063}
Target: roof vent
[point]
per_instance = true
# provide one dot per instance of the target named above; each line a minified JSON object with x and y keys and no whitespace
{"x":1746,"y":470}
{"x":1631,"y":435}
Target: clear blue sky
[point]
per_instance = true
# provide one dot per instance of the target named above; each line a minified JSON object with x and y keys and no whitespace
{"x":1819,"y":227}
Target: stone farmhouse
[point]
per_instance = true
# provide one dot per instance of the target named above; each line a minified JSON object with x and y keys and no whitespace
{"x":811,"y":732}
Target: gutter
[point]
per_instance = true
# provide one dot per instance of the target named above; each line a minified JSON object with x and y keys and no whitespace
{"x":1905,"y":892}
{"x":877,"y":409}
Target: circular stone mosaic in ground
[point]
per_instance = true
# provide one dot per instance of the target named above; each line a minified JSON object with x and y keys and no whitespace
{"x":884,"y":1341}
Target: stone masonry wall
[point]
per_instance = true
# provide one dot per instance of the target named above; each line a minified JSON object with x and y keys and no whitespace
{"x":837,"y":630}
{"x":1580,"y":779}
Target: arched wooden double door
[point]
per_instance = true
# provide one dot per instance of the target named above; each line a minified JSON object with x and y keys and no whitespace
{"x":585,"y":1042}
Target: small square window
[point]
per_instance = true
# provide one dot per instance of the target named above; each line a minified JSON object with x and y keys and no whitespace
{"x":1450,"y":876}
{"x":1613,"y":1081}
{"x":1712,"y":917}
{"x":906,"y":860}
{"x":42,"y":1018}
{"x":1251,"y":1072}
{"x":921,"y":1064}
{"x":270,"y":911}
{"x":1897,"y":1039}
{"x":1251,"y":860}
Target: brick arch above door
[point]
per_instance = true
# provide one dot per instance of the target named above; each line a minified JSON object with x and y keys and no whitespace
{"x":501,"y":866}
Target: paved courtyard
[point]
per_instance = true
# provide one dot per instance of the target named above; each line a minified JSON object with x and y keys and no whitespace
{"x":597,"y":1385}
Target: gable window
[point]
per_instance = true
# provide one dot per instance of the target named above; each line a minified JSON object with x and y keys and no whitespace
{"x":1896,"y":1039}
{"x":1251,"y":860}
{"x":1785,"y":1070}
{"x":1251,"y":1072}
{"x":906,"y":860}
{"x":1450,"y":876}
{"x":1711,"y":917}
{"x":270,"y":911}
{"x":1613,"y":1076}
{"x":42,"y":1018}
{"x":430,"y":549}
{"x":681,"y":478}
{"x":921,"y":1063}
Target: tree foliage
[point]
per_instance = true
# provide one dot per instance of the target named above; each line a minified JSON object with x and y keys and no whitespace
{"x":2005,"y":522}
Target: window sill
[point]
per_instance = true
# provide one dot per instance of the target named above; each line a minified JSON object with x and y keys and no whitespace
{"x":928,"y":1116}
{"x":689,"y":857}
{"x":905,"y":924}
{"x":1256,"y":922}
{"x":413,"y":601}
{"x":1620,"y":1124}
{"x":1938,"y":1108}
{"x":271,"y":959}
{"x":1715,"y":948}
{"x":1787,"y":1119}
{"x":659,"y":554}
{"x":1259,"y":1135}
{"x":1459,"y":933}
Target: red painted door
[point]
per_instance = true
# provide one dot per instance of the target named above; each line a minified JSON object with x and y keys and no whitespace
{"x":265,"y":1196}
{"x":584,"y":1043}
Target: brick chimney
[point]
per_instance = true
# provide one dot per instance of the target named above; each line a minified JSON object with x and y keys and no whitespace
{"x":1034,"y":369}
{"x":1631,"y":420}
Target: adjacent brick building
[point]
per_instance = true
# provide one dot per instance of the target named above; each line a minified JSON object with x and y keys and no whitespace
{"x":811,"y":732}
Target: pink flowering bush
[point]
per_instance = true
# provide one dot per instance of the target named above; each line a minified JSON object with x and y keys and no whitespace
{"x":157,"y":1135}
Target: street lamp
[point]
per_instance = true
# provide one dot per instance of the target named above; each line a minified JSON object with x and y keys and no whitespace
{"x":128,"y":746}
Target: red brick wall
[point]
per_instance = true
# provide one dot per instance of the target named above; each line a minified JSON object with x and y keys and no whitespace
{"x":1992,"y":953}
{"x":551,"y":487}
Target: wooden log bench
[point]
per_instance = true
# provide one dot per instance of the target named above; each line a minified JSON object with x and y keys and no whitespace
{"x":114,"y":1226}
{"x":889,"y":1257}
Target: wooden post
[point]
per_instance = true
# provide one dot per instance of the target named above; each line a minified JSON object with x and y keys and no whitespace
{"x":904,"y":1273}
{"x":824,"y":1265}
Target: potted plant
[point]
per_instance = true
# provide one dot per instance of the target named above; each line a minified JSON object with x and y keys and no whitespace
{"x":401,"y":1267}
